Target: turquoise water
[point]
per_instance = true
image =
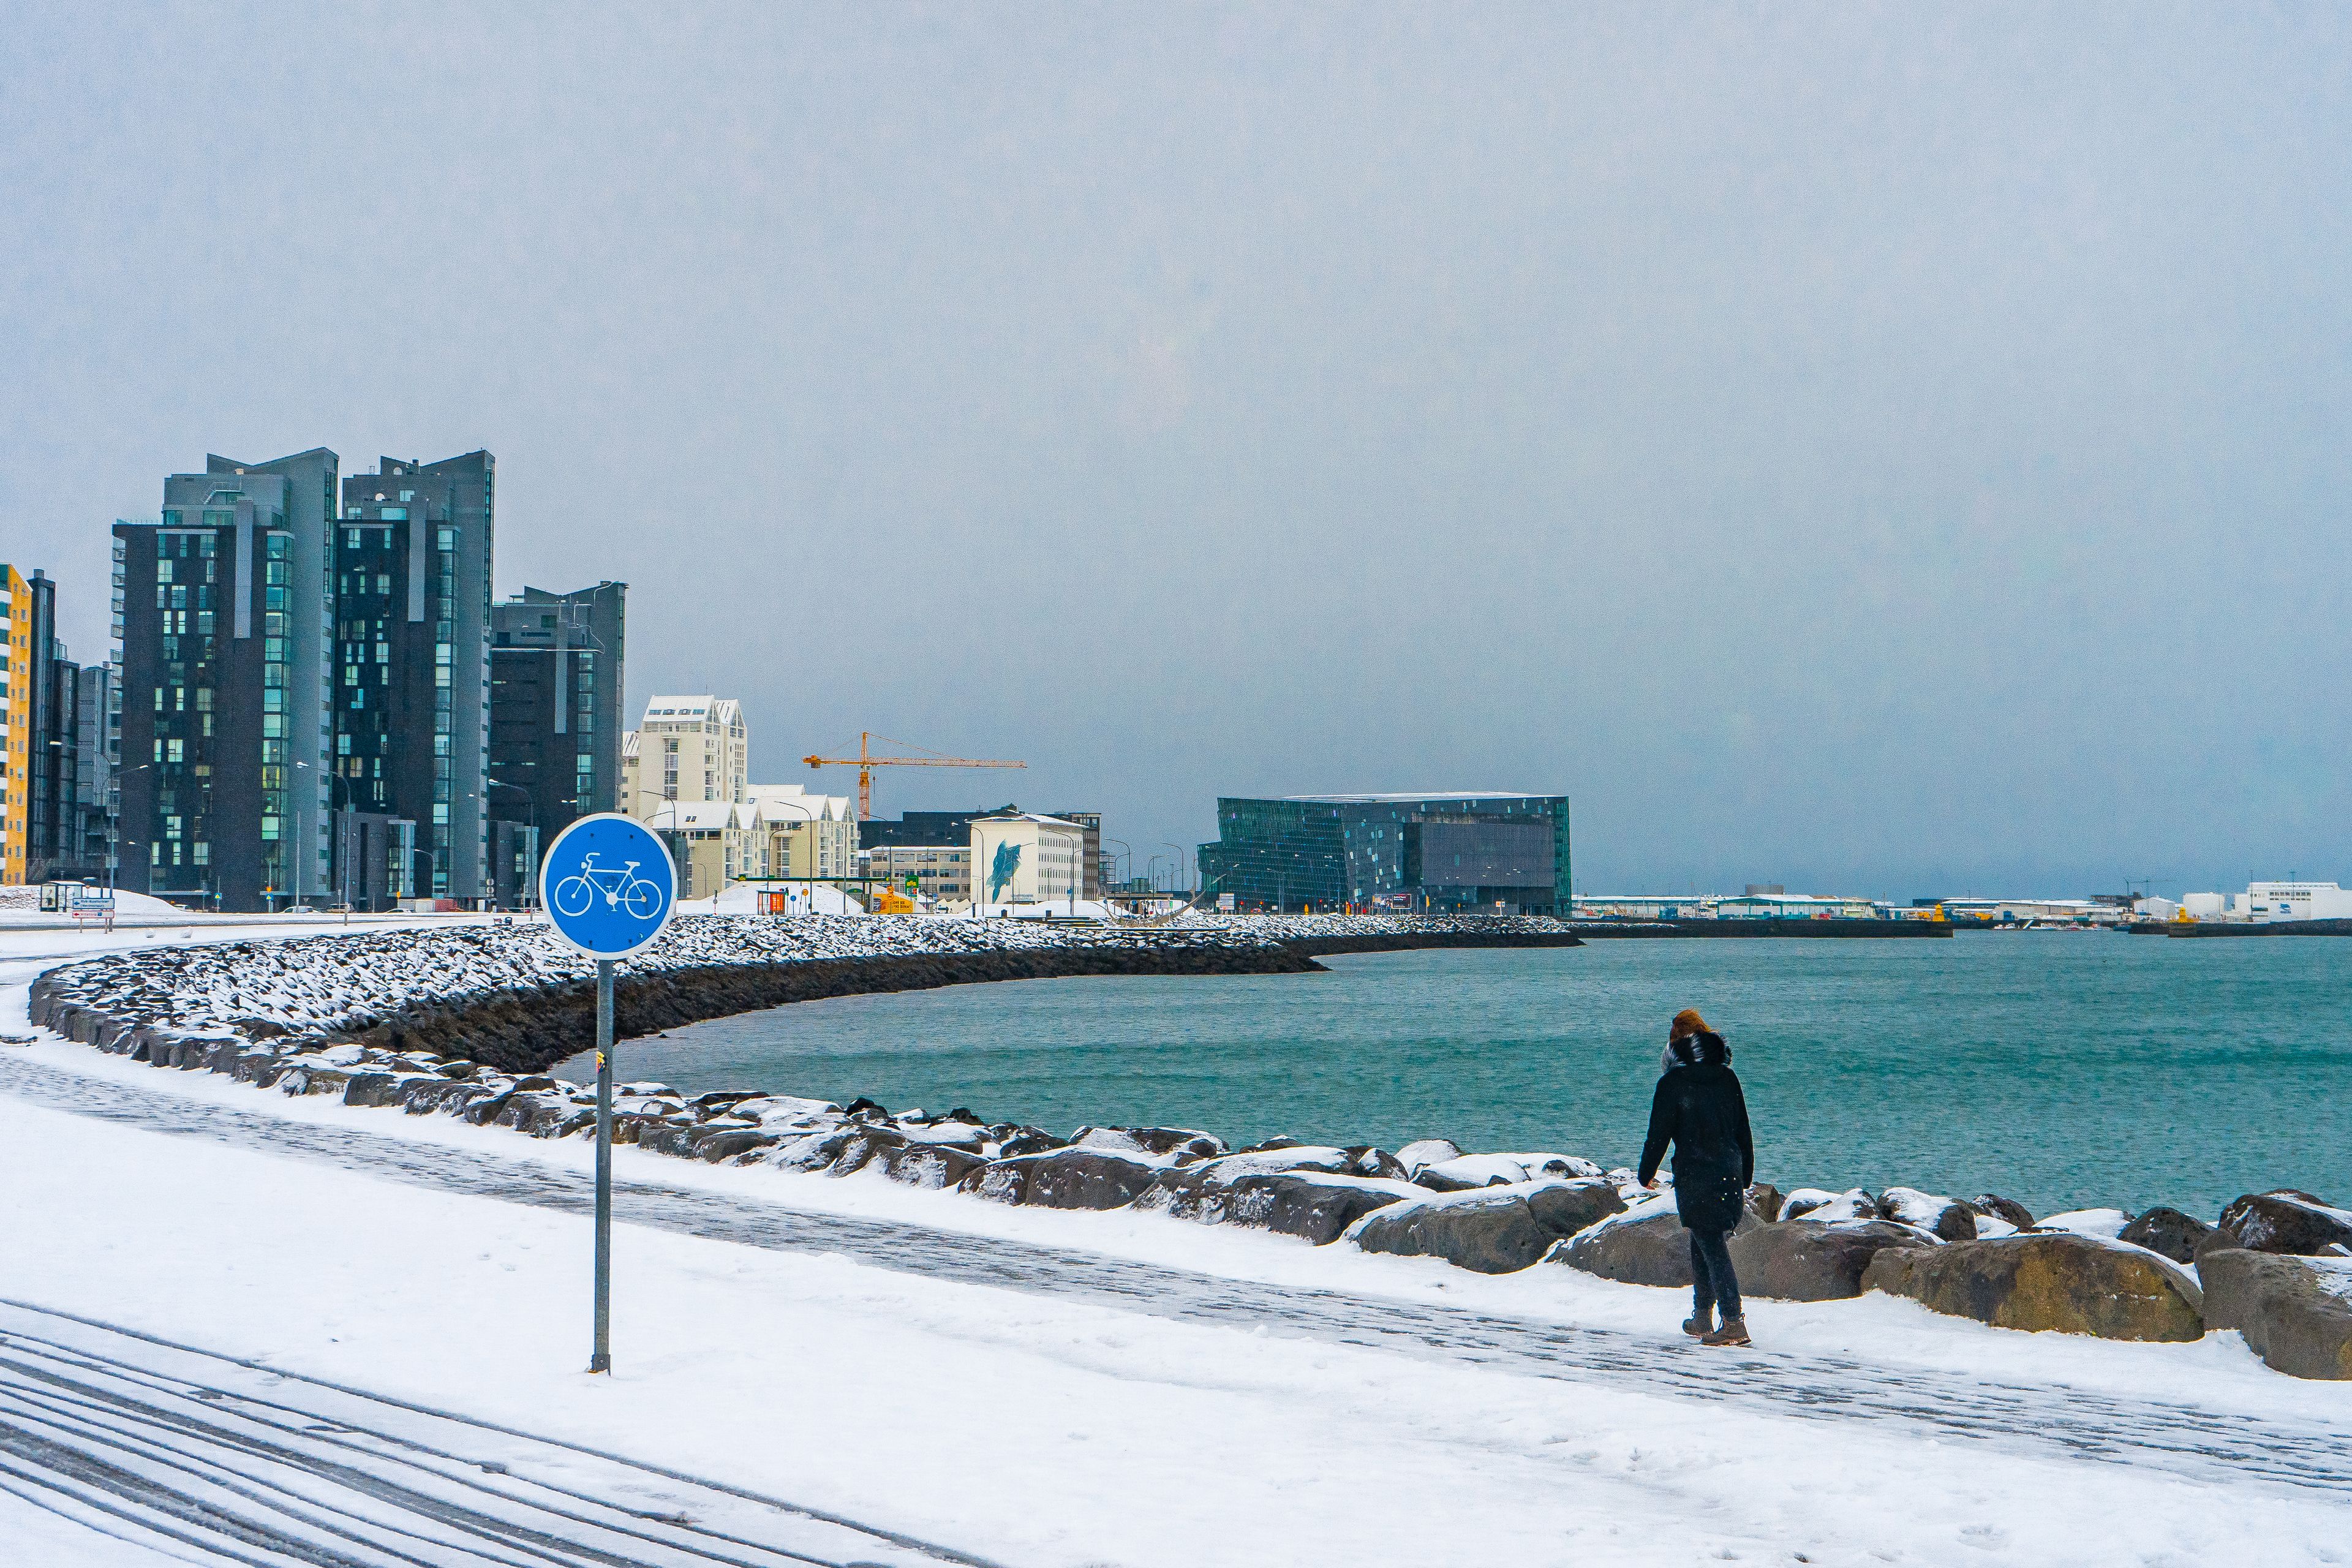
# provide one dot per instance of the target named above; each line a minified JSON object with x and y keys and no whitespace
{"x":2064,"y":1069}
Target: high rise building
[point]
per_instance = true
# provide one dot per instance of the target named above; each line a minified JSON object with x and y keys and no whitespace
{"x":224,"y":616}
{"x":16,"y":722}
{"x":556,"y":670}
{"x":411,"y":666}
{"x":96,"y":713}
{"x":53,"y":816}
{"x":688,"y":749}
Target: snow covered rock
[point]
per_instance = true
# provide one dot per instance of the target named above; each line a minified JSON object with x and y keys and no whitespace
{"x":2100,"y":1225}
{"x":1315,"y":1192}
{"x":2048,"y":1281}
{"x":2295,"y":1312}
{"x":1423,"y":1153}
{"x":2283,"y":1221}
{"x":1815,"y":1260}
{"x":1831,"y":1208}
{"x":1949,"y":1218}
{"x":1493,"y":1230}
{"x":1069,"y":1178}
{"x":2008,"y":1211}
{"x":1464,"y":1171}
{"x":1647,"y":1245}
{"x":2167,"y":1231}
{"x":1177,"y":1142}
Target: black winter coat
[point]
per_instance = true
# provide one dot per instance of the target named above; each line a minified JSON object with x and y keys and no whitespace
{"x":1699,"y":1109}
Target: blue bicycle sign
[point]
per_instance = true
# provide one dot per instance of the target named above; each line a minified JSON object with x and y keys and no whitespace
{"x":608,"y":885}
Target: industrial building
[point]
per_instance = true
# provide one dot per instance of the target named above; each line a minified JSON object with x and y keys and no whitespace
{"x":1470,"y":852}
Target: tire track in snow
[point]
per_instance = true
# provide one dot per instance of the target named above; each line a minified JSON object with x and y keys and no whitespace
{"x":2192,"y":1441}
{"x":161,"y":1444}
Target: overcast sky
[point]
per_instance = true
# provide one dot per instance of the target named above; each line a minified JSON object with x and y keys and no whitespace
{"x":1868,"y":450}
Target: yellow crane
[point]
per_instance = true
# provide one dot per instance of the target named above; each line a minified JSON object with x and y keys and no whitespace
{"x":866,"y":762}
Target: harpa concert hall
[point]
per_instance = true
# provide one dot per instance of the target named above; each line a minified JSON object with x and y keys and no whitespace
{"x":1496,"y":854}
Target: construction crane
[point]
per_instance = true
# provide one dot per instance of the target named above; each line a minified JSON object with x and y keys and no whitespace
{"x":866,"y":762}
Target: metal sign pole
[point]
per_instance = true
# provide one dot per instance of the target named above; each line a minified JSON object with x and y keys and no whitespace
{"x":601,"y":1358}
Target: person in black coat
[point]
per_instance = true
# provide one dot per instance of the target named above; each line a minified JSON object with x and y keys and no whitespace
{"x":1699,"y":1109}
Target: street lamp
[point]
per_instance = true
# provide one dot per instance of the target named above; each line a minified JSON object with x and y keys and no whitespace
{"x":809,"y":818}
{"x":533,"y":802}
{"x":1175,"y":865}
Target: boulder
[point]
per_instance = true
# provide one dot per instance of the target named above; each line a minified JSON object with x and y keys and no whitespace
{"x":1069,"y":1178}
{"x":1494,"y":1230}
{"x":1489,"y":1229}
{"x":2007,"y":1210}
{"x":2295,"y":1312}
{"x":732,"y":1143}
{"x":813,"y":1151}
{"x":2047,"y":1280}
{"x":2100,"y":1225}
{"x":1466,"y":1171}
{"x":1811,"y":1203}
{"x":1765,"y":1199}
{"x":375,"y":1088}
{"x":1378,"y":1164}
{"x":1177,"y":1143}
{"x":1647,"y":1245}
{"x":1949,"y":1219}
{"x":1313,"y":1206}
{"x":1815,"y":1260}
{"x":929,"y":1164}
{"x":2168,"y":1231}
{"x":1423,"y":1152}
{"x":2284,"y":1221}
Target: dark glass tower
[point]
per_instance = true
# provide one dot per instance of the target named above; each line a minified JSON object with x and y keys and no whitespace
{"x":556,"y":671}
{"x":411,"y":666}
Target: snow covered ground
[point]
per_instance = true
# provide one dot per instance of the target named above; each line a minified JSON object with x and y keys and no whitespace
{"x":1139,"y":1391}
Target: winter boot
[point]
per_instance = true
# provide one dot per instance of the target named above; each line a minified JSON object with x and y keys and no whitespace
{"x":1733,"y":1332}
{"x":1698,"y":1325}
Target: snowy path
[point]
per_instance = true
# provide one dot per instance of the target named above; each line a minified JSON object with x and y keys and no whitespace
{"x":2300,"y":1453}
{"x":155,"y":1443}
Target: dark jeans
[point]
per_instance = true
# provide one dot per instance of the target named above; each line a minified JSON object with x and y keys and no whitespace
{"x":1712,"y":1281}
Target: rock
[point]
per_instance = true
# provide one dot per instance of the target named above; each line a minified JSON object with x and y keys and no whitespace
{"x":2047,"y":1280}
{"x":929,"y":1164}
{"x":2295,"y":1312}
{"x":1566,"y":1208}
{"x":1815,"y":1260}
{"x":1800,"y":1202}
{"x":1069,"y":1178}
{"x":1832,"y":1209}
{"x":1647,"y":1245}
{"x":1765,"y":1199}
{"x":309,"y":1078}
{"x":2007,"y":1210}
{"x":1316,"y":1206}
{"x":1466,"y":1172}
{"x":2284,"y":1221}
{"x":2100,"y":1225}
{"x":813,"y":1151}
{"x":1949,"y":1219}
{"x":1179,"y":1142}
{"x":1378,"y":1164}
{"x":1494,"y":1230}
{"x":732,"y":1143}
{"x":2168,"y":1232}
{"x":1489,"y":1229}
{"x":1425,"y":1151}
{"x":374,"y":1089}
{"x":537,"y":1114}
{"x":1013,"y":1140}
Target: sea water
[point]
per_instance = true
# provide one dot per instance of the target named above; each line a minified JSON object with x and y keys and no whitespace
{"x":2065,"y":1070}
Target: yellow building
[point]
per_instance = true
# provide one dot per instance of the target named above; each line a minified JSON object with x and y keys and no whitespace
{"x":16,"y":722}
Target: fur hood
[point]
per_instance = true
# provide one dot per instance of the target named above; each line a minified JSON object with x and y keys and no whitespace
{"x":1705,"y":1048}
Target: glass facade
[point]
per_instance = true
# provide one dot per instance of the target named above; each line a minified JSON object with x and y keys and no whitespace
{"x":1491,"y":853}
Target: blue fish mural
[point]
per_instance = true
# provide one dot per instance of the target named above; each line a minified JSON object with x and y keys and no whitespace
{"x":1000,"y":868}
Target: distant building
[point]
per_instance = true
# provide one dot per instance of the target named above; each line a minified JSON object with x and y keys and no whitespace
{"x":1091,"y":860}
{"x":556,"y":672}
{"x":97,"y":713}
{"x":412,"y":676}
{"x":922,"y":828}
{"x":808,"y":835}
{"x":716,"y":842}
{"x":940,"y":872}
{"x":17,"y":688}
{"x":688,"y":749}
{"x":1472,"y":852}
{"x":226,"y":619}
{"x":1022,"y":858}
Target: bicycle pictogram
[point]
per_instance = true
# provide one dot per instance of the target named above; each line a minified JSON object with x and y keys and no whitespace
{"x":620,"y":888}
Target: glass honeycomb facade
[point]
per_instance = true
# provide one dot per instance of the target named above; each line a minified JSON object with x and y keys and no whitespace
{"x":1487,"y":853}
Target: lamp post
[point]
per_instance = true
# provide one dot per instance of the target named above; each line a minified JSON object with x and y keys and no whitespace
{"x":809,"y":889}
{"x":1175,"y":863}
{"x":531,"y":801}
